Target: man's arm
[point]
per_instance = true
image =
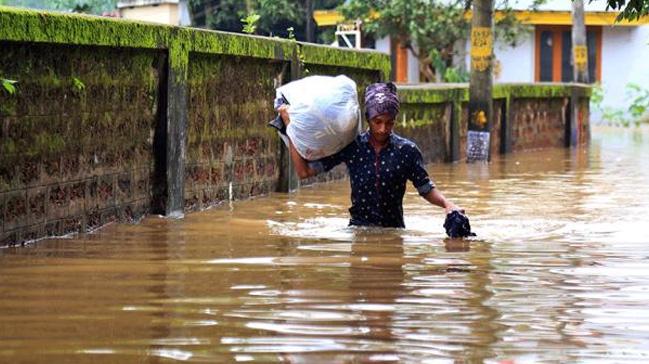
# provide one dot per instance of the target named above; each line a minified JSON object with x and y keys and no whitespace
{"x":300,"y":164}
{"x":302,"y":167}
{"x":436,"y":198}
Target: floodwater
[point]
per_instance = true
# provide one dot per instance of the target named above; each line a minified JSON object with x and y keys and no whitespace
{"x":559,"y":272}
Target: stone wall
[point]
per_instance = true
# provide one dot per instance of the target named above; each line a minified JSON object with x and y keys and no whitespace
{"x":526,"y":116}
{"x":112,"y":119}
{"x":76,"y":138}
{"x":229,"y":146}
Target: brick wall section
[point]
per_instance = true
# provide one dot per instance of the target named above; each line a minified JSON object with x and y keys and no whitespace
{"x":229,"y":142}
{"x":538,"y":123}
{"x":428,"y":126}
{"x":75,"y":140}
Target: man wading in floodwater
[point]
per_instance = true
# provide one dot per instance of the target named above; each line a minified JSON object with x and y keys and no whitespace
{"x":379,"y":164}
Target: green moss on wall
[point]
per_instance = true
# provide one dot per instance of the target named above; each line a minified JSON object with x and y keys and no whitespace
{"x":440,"y":93}
{"x":105,"y":124}
{"x":20,"y":25}
{"x":327,"y":56}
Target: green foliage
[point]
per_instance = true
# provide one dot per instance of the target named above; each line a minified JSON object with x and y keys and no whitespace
{"x":78,"y":84}
{"x":639,"y":101}
{"x":634,"y":113}
{"x":456,"y":75}
{"x":508,"y":28}
{"x":275,"y":16}
{"x":429,"y":28}
{"x":77,"y":6}
{"x":631,"y":10}
{"x":250,"y":23}
{"x":8,"y":85}
{"x":300,"y":53}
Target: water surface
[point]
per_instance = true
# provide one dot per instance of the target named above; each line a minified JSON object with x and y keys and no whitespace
{"x":559,"y":272}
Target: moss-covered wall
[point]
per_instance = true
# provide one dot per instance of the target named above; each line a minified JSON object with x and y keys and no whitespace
{"x":538,"y":123}
{"x":428,"y":125}
{"x":111,"y":116}
{"x":526,"y":116}
{"x":230,"y":103}
{"x":76,"y":137}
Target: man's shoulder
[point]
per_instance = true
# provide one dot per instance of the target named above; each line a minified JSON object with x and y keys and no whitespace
{"x":402,"y":142}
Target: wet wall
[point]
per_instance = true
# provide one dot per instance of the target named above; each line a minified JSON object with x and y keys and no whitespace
{"x":111,"y":120}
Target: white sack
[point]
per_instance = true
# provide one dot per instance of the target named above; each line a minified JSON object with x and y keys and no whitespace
{"x":324,"y":113}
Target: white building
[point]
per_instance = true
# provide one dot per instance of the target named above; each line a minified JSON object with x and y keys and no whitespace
{"x":618,"y":52}
{"x":170,"y":12}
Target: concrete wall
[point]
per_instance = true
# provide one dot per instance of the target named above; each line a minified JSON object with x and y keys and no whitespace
{"x":516,"y":63}
{"x":160,"y":13}
{"x":625,"y":55}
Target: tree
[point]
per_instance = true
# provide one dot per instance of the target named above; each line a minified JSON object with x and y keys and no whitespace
{"x":79,"y":6}
{"x":275,"y":16}
{"x":430,"y":29}
{"x":631,"y":10}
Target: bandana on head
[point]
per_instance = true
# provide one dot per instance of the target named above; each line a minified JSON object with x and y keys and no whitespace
{"x":381,"y":98}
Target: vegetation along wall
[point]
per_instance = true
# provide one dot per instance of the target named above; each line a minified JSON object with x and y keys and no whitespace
{"x":110,"y":120}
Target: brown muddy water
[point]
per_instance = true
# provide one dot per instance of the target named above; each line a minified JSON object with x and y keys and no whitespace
{"x":559,"y":272}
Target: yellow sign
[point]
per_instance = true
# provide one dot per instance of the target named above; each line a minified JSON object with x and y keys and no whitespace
{"x":481,"y":48}
{"x":580,"y":54}
{"x":480,"y":118}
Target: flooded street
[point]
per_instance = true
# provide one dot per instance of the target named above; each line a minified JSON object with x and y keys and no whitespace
{"x":559,"y":272}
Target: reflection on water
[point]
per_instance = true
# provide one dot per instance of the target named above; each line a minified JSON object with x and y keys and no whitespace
{"x":559,"y":272}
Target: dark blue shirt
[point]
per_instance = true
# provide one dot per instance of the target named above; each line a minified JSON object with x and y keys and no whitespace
{"x":378,"y":180}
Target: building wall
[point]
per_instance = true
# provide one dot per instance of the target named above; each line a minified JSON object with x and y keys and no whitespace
{"x":383,"y":45}
{"x":163,"y":13}
{"x":413,"y":68}
{"x":625,"y":57}
{"x":625,"y":51}
{"x":516,"y":63}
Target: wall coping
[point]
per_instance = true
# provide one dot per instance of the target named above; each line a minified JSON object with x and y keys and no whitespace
{"x":32,"y":26}
{"x":445,"y":92}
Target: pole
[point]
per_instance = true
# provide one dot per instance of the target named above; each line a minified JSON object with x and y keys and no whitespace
{"x":579,"y":44}
{"x":579,"y":71}
{"x":310,"y":24}
{"x":480,"y":88}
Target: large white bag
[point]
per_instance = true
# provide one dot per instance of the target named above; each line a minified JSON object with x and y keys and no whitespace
{"x":324,"y":112}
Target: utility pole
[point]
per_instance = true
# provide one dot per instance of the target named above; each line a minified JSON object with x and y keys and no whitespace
{"x":480,"y":88}
{"x":310,"y":24}
{"x":579,"y":72}
{"x":579,"y":44}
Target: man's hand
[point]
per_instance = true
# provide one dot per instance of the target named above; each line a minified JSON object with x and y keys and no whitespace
{"x":283,"y":113}
{"x":453,"y":207}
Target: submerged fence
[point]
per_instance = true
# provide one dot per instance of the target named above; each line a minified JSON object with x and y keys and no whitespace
{"x":111,"y":120}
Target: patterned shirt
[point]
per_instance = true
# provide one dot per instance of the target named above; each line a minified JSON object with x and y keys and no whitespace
{"x":378,"y":180}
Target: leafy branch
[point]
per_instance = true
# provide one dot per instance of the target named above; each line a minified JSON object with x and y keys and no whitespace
{"x":635,"y":113}
{"x":250,"y":23}
{"x":8,"y":85}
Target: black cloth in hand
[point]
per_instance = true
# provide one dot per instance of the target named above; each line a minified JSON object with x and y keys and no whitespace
{"x":457,"y":225}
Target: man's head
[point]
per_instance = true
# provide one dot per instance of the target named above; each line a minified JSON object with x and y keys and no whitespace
{"x":381,"y":108}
